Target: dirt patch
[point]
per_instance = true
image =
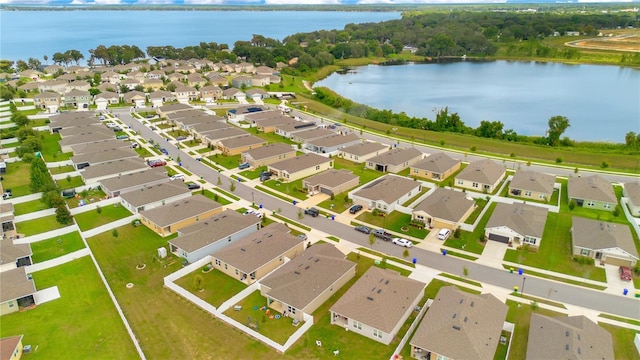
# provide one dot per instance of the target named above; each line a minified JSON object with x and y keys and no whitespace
{"x":627,"y":42}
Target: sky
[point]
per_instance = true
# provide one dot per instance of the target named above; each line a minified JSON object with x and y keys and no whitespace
{"x":268,"y":2}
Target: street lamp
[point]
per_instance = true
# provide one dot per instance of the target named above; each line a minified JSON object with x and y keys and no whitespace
{"x":522,"y":291}
{"x":252,"y":201}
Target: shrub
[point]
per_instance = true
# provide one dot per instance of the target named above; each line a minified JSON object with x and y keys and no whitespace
{"x":583,"y":260}
{"x":558,"y":160}
{"x":572,"y":204}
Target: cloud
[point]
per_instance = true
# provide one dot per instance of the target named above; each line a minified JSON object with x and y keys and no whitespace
{"x":24,"y":2}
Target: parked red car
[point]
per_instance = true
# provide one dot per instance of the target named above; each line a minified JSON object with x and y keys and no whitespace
{"x":157,"y":163}
{"x":625,"y":273}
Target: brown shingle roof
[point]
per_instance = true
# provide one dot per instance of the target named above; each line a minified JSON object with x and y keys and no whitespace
{"x":597,"y":234}
{"x":446,"y":204}
{"x":8,"y":345}
{"x":313,"y":134}
{"x":331,"y":178}
{"x":632,"y":189}
{"x":146,"y":176}
{"x":177,"y":211}
{"x":113,"y":168}
{"x":154,"y":193}
{"x":10,"y":252}
{"x":335,"y":140}
{"x":15,"y":284}
{"x":300,"y":162}
{"x":388,"y":188}
{"x":482,"y":171}
{"x":522,"y":218}
{"x":533,"y":181}
{"x":364,"y":148}
{"x":593,"y":187}
{"x":99,"y":146}
{"x":269,"y":151}
{"x":437,"y":163}
{"x":379,"y":298}
{"x":396,"y":156}
{"x":461,"y":325}
{"x":242,"y":141}
{"x":103,"y":156}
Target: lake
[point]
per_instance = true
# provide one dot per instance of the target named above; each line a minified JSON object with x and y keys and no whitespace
{"x":25,"y":34}
{"x":601,"y":102}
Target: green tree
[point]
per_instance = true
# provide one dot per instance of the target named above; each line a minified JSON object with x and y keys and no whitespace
{"x":372,"y":240}
{"x":20,"y":119}
{"x":557,"y":126}
{"x":63,"y":216}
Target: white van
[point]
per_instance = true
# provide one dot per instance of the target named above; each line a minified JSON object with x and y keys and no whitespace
{"x":178,"y":177}
{"x":444,"y":234}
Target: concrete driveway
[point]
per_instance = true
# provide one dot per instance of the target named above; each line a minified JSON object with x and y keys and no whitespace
{"x":615,"y":285}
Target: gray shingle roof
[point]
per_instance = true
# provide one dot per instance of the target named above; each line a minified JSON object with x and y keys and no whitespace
{"x":574,"y":337}
{"x":331,"y":178}
{"x":533,"y":181}
{"x":103,"y":156}
{"x":146,"y":176}
{"x":313,"y":134}
{"x":437,"y":163}
{"x":461,"y":325}
{"x":446,"y":204}
{"x":335,"y":140}
{"x":388,"y":188}
{"x":593,"y":187}
{"x":524,"y":219}
{"x":86,"y":138}
{"x":225,"y":133}
{"x":177,"y":211}
{"x":396,"y":156}
{"x":632,"y":189}
{"x":482,"y":171}
{"x":114,"y":168}
{"x":597,"y":234}
{"x":269,"y":151}
{"x":99,"y":146}
{"x":10,"y":252}
{"x":15,"y":284}
{"x":174,"y":107}
{"x":379,"y":298}
{"x":242,"y":141}
{"x":364,"y":148}
{"x":150,"y":194}
{"x":300,"y":162}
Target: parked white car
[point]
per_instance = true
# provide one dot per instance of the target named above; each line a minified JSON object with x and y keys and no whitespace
{"x":443,"y":234}
{"x":402,"y":242}
{"x":178,"y":177}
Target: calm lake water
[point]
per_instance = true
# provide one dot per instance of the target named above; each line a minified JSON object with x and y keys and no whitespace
{"x":25,"y":34}
{"x":601,"y":102}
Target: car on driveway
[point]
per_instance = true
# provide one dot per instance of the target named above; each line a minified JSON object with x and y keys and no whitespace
{"x":625,"y":273}
{"x":354,"y":209}
{"x":443,"y":234}
{"x":363,"y":229}
{"x":244,"y":165}
{"x":178,"y":177}
{"x":402,"y":242}
{"x":302,"y":237}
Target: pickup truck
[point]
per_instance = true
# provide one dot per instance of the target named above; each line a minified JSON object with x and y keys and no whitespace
{"x":380,"y":233}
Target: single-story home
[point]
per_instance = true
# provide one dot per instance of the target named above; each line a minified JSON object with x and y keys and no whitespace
{"x":631,"y":191}
{"x":89,"y":128}
{"x":67,"y":143}
{"x":14,"y":255}
{"x":254,"y":118}
{"x":607,"y":242}
{"x":481,"y":175}
{"x":306,"y":282}
{"x":149,"y":197}
{"x":459,"y":325}
{"x":594,"y":192}
{"x":17,"y":291}
{"x":93,"y":174}
{"x":395,"y":160}
{"x":211,"y":138}
{"x":121,"y":184}
{"x":308,"y":135}
{"x":436,"y":167}
{"x":363,"y":151}
{"x":517,"y":223}
{"x":239,"y":113}
{"x":11,"y":348}
{"x":257,"y":93}
{"x":444,"y":209}
{"x":82,"y":161}
{"x":572,"y":337}
{"x":269,"y":125}
{"x":378,"y":304}
{"x":251,"y":258}
{"x":168,"y":219}
{"x":212,"y":234}
{"x":233,"y":93}
{"x":332,"y":143}
{"x":200,"y":128}
{"x":386,"y":193}
{"x":268,"y":154}
{"x":300,"y":166}
{"x":100,"y":146}
{"x":330,"y":181}
{"x":169,"y":109}
{"x":288,"y":130}
{"x":7,"y":221}
{"x":239,"y":144}
{"x":136,"y":98}
{"x":532,"y":185}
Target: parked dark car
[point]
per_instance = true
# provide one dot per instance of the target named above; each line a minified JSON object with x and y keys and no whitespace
{"x":354,"y":209}
{"x":193,"y":186}
{"x":164,"y":151}
{"x":380,"y":233}
{"x":312,"y":211}
{"x":363,"y":229}
{"x":244,"y":165}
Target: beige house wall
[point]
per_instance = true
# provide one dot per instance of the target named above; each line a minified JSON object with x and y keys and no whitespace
{"x":429,"y":175}
{"x":9,"y":307}
{"x":303,"y":173}
{"x":238,"y":150}
{"x":269,"y":160}
{"x":469,"y":185}
{"x":168,"y":230}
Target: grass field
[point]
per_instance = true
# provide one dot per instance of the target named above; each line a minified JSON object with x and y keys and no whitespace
{"x":81,"y":324}
{"x":217,"y":286}
{"x":61,"y":169}
{"x":215,"y":197}
{"x":228,"y":162}
{"x":70,"y":182}
{"x":291,"y":188}
{"x":29,"y":207}
{"x":470,"y":241}
{"x":366,"y":175}
{"x":52,"y":248}
{"x":38,"y":226}
{"x":92,"y":219}
{"x":16,"y":178}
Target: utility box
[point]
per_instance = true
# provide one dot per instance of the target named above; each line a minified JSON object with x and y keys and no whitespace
{"x":162,"y":252}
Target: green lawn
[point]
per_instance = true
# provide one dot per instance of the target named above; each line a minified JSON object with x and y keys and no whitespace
{"x":217,"y":286}
{"x":81,"y":324}
{"x":92,"y":219}
{"x":16,"y":178}
{"x":38,"y":226}
{"x":52,"y":248}
{"x":410,"y":201}
{"x":289,"y":188}
{"x":253,"y":174}
{"x":470,"y":241}
{"x":366,"y":175}
{"x":395,"y":221}
{"x":70,"y":182}
{"x":480,"y":204}
{"x":143,"y":152}
{"x":61,"y":169}
{"x":51,"y":149}
{"x":88,"y":196}
{"x":273,"y":138}
{"x":338,"y":204}
{"x":215,"y":197}
{"x":555,"y":251}
{"x":229,"y":162}
{"x":521,"y":317}
{"x":29,"y":207}
{"x":623,"y":346}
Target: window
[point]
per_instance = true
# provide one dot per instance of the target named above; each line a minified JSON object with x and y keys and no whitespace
{"x":607,"y":206}
{"x":584,"y":252}
{"x":357,"y":325}
{"x":416,"y":170}
{"x":370,"y":164}
{"x":225,"y":266}
{"x":218,"y":262}
{"x":236,"y":271}
{"x":291,"y":309}
{"x":590,"y":203}
{"x":377,"y":333}
{"x":475,"y":185}
{"x":317,"y":167}
{"x":280,"y":258}
{"x":529,"y":240}
{"x":527,"y":193}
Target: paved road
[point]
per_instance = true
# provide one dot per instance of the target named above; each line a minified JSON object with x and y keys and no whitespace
{"x":560,"y":292}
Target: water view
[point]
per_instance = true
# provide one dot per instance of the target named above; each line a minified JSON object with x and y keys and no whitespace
{"x":601,"y":102}
{"x":27,"y":34}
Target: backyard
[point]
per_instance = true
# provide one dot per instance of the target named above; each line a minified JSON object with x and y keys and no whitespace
{"x":366,"y":175}
{"x":86,"y":196}
{"x":57,"y":246}
{"x":38,"y":226}
{"x":70,"y":182}
{"x":470,"y":241}
{"x":14,"y":178}
{"x":51,"y":149}
{"x":216,"y":286}
{"x":29,"y":207}
{"x":94,"y":218}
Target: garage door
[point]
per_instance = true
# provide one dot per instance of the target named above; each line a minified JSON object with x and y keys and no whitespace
{"x":617,"y":261}
{"x":499,"y":238}
{"x":324,"y":190}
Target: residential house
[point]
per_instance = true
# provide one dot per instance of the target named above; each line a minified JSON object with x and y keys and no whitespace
{"x":99,"y":146}
{"x":136,"y":75}
{"x":572,"y":337}
{"x":130,"y":84}
{"x":177,"y":78}
{"x":395,"y":160}
{"x":82,"y":161}
{"x":331,"y":182}
{"x":69,"y":78}
{"x":57,"y":86}
{"x":459,"y":325}
{"x":210,"y":93}
{"x":172,"y":109}
{"x":52,"y":69}
{"x":77,"y":85}
{"x":201,"y":129}
{"x":28,"y":87}
{"x":104,"y":99}
{"x":217,"y":79}
{"x":311,"y":134}
{"x":264,"y":70}
{"x":607,"y":242}
{"x":111,"y":77}
{"x":257,"y":94}
{"x":11,"y":348}
{"x":255,"y":117}
{"x":186,"y":94}
{"x":260,"y":80}
{"x":212,"y":138}
{"x":155,"y":74}
{"x":178,"y":117}
{"x":17,"y":291}
{"x":89,"y":137}
{"x":212,"y":234}
{"x":160,"y":97}
{"x":72,"y":119}
{"x":122,"y":184}
{"x":239,"y":113}
{"x":152,"y":196}
{"x":522,"y":224}
{"x":8,"y":226}
{"x":481,"y":175}
{"x":594,"y":192}
{"x":170,"y":218}
{"x":93,"y":174}
{"x":233,"y":93}
{"x":137,"y":98}
{"x":631,"y":191}
{"x":104,"y":87}
{"x":532,"y":185}
{"x":386,"y":193}
{"x":300,"y":166}
{"x":378,"y":304}
{"x":435,"y":167}
{"x":255,"y":255}
{"x":444,"y":209}
{"x":80,"y":130}
{"x":13,"y":256}
{"x":268,"y":125}
{"x":239,"y":144}
{"x":287,"y":130}
{"x":152,"y":84}
{"x":363,"y":151}
{"x":245,"y":67}
{"x":34,"y":75}
{"x":333,"y":143}
{"x":196,"y":80}
{"x":268,"y":154}
{"x":47,"y":101}
{"x":303,"y":284}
